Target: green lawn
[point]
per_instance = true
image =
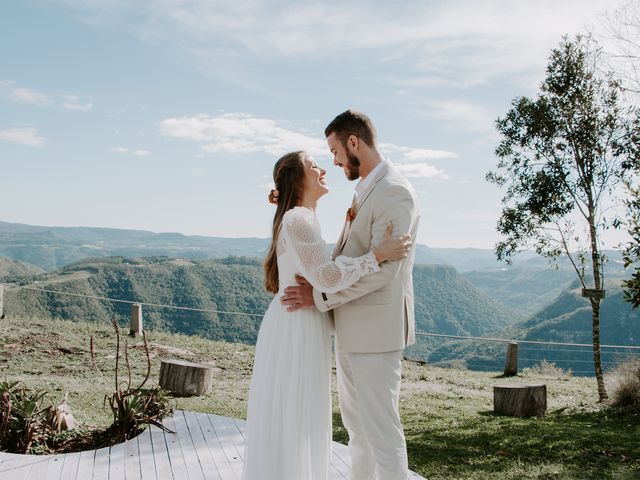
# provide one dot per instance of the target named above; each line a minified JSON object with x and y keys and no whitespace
{"x":451,"y":430}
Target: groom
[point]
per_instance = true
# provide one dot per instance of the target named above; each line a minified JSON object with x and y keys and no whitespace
{"x":374,"y":318}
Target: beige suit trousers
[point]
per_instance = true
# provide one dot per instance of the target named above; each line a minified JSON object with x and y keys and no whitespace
{"x":369,"y":392}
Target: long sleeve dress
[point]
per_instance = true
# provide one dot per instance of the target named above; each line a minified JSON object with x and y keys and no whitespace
{"x":289,"y":413}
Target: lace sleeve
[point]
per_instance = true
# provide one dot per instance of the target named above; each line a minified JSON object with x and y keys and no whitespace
{"x":302,"y":237}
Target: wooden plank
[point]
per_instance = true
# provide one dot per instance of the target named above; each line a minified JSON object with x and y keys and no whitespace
{"x":70,"y":466}
{"x":188,"y":450}
{"x":229,"y":449}
{"x":101,"y":464}
{"x":216,"y":449}
{"x":234,"y":434}
{"x":340,"y":458}
{"x":160,"y":453}
{"x":178,"y":465}
{"x":38,"y":467}
{"x":116,"y":461}
{"x":335,"y":474}
{"x":233,"y":441}
{"x":145,"y":456}
{"x":85,"y":464}
{"x":414,"y":476}
{"x":242,"y":426}
{"x":205,"y":447}
{"x":131,"y":460}
{"x":54,"y":467}
{"x":16,"y":467}
{"x":207,"y":463}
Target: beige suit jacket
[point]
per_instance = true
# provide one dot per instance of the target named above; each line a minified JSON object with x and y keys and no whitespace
{"x":377,"y":314}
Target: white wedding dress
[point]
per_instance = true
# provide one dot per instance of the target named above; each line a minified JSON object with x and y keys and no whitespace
{"x":289,"y":413}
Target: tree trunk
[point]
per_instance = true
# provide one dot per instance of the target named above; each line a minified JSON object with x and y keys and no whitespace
{"x":597,"y":264}
{"x":597,"y":360}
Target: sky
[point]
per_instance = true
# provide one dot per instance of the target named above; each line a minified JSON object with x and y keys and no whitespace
{"x":168,"y":115}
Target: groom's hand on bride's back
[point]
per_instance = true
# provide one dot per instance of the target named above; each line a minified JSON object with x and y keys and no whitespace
{"x":300,"y":296}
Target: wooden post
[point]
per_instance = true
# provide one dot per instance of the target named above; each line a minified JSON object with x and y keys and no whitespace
{"x":511,"y":363}
{"x":135,"y":325}
{"x":1,"y":301}
{"x":185,"y":378}
{"x":520,"y":400}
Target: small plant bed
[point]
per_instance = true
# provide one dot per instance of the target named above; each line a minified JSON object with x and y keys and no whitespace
{"x":31,"y":423}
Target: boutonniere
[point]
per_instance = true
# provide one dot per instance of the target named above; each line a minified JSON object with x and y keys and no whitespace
{"x":351,"y":215}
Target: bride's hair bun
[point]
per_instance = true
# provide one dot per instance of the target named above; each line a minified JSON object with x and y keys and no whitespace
{"x":273,"y":196}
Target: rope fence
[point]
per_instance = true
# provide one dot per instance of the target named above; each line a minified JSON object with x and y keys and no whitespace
{"x":520,"y":353}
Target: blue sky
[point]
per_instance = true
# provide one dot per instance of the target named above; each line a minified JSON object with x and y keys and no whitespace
{"x":168,"y":115}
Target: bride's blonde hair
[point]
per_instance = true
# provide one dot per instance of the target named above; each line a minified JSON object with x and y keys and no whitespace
{"x":288,"y":176}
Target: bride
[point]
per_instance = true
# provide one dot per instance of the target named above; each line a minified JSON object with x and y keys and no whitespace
{"x":289,"y":413}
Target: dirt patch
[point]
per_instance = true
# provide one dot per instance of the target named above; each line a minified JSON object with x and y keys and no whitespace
{"x":158,"y":350}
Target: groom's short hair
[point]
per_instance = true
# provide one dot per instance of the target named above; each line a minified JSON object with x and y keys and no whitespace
{"x":355,"y":123}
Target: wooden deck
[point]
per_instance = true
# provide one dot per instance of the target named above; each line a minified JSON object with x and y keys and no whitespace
{"x":204,"y":447}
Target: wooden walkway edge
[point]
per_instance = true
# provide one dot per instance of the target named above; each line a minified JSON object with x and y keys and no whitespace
{"x":204,"y":447}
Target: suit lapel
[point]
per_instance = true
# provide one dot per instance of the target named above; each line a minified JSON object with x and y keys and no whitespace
{"x":346,"y":230}
{"x":341,"y":241}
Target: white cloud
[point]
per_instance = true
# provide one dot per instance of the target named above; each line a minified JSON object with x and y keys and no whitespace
{"x":23,"y":136}
{"x":26,"y":95}
{"x":72,"y":102}
{"x":19,"y":94}
{"x":460,"y":114}
{"x":137,"y":152}
{"x":413,"y":160}
{"x":415,"y":154}
{"x":421,"y":170}
{"x":454,"y":43}
{"x":241,"y":133}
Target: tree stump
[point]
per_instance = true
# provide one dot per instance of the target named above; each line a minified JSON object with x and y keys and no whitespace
{"x":520,"y":400}
{"x":185,"y":378}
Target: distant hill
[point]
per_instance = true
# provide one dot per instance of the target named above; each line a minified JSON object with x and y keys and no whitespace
{"x":13,"y":270}
{"x":445,"y":301}
{"x":531,"y":283}
{"x":54,"y":247}
{"x":523,"y":290}
{"x":566,"y":320}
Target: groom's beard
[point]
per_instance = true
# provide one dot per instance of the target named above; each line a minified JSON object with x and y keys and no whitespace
{"x":352,"y":167}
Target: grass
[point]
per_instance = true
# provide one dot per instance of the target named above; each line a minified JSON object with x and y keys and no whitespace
{"x":450,"y":427}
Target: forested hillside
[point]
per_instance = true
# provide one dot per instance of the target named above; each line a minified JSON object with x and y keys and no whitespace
{"x":566,"y":320}
{"x":11,"y":270}
{"x":445,"y":301}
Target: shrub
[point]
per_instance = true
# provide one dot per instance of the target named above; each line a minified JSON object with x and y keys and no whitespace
{"x":133,"y":407}
{"x":626,"y":390}
{"x":549,"y":369}
{"x":23,"y":419}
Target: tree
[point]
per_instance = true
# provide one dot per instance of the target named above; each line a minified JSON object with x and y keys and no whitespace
{"x":623,"y":29}
{"x":563,"y":158}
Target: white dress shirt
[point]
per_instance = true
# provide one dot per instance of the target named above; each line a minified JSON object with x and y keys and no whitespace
{"x":364,"y":183}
